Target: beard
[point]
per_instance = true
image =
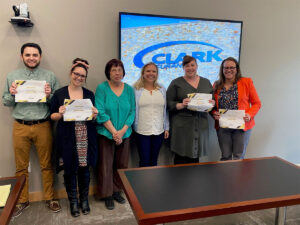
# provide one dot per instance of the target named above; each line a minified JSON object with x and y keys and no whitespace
{"x":31,"y":67}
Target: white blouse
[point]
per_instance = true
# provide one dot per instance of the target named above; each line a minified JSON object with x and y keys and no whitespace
{"x":151,"y":113}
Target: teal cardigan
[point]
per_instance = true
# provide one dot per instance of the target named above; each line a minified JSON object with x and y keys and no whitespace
{"x":120,"y":110}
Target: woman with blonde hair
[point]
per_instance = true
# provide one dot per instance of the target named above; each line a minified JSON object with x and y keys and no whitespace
{"x":151,"y":118}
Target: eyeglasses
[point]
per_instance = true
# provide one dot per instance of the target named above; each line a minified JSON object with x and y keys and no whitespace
{"x":79,"y":75}
{"x":229,"y":68}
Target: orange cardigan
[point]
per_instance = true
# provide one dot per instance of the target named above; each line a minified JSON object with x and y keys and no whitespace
{"x":247,"y":100}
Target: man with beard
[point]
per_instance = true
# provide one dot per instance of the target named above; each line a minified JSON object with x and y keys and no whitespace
{"x":32,"y":125}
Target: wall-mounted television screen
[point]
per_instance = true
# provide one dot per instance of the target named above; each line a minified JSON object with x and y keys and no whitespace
{"x":165,"y":40}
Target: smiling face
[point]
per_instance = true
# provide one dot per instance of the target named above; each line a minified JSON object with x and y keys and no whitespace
{"x":31,"y":57}
{"x":150,"y":74}
{"x":116,"y":74}
{"x":190,"y":69}
{"x":229,"y":70}
{"x":78,"y":77}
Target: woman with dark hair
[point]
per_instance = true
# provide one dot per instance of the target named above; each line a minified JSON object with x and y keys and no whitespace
{"x":116,"y":106}
{"x":76,"y":142}
{"x":234,"y":92}
{"x":189,"y":129}
{"x":151,"y":118}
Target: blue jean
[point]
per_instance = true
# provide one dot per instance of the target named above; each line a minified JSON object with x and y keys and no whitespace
{"x":148,"y":148}
{"x":233,"y":143}
{"x":246,"y":141}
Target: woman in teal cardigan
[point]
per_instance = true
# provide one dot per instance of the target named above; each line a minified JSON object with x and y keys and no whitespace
{"x":115,"y":102}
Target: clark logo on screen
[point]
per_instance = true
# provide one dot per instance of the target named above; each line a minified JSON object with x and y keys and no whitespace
{"x":165,"y":40}
{"x":174,"y":60}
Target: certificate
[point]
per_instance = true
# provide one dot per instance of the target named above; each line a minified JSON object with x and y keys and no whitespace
{"x":200,"y":102}
{"x":233,"y":119}
{"x":30,"y":91}
{"x":78,"y":110}
{"x":4,"y":193}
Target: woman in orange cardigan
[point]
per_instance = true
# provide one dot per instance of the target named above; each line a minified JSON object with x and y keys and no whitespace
{"x":234,"y":92}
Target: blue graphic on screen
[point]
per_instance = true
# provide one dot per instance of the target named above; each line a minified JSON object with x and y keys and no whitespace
{"x":165,"y":41}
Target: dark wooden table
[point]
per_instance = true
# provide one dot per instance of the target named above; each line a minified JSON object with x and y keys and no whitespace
{"x":17,"y":184}
{"x":182,"y":192}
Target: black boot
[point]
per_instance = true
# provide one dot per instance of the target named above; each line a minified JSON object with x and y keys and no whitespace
{"x":83,"y":184}
{"x":71,"y":188}
{"x":118,"y":197}
{"x":109,"y":202}
{"x":74,"y":208}
{"x":85,"y":208}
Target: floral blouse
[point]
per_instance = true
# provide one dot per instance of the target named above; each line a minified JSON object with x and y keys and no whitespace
{"x":228,"y":99}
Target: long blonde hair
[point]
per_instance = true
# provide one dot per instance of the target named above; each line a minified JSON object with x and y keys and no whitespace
{"x":140,"y":83}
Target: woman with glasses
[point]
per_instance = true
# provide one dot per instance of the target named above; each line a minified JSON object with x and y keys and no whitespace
{"x":234,"y":92}
{"x":116,"y":106}
{"x":76,"y":141}
{"x":189,"y":129}
{"x":151,"y":119}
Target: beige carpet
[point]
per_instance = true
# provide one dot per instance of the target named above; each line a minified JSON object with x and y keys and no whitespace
{"x":38,"y":214}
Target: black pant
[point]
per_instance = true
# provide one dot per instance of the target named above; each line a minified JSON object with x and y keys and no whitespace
{"x":83,"y":175}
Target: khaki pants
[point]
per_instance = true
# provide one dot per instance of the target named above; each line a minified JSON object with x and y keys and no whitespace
{"x":23,"y":137}
{"x":111,"y":157}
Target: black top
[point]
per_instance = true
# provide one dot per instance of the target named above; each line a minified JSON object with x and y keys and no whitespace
{"x":229,"y":99}
{"x":174,"y":188}
{"x":65,"y":134}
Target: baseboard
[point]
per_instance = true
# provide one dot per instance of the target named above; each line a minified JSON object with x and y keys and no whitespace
{"x":58,"y":194}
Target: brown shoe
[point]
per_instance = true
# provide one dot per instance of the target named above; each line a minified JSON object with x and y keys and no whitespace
{"x":19,"y":208}
{"x":53,"y":205}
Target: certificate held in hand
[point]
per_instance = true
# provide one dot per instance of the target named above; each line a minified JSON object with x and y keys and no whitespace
{"x":200,"y":102}
{"x":233,"y":119}
{"x":30,"y":91}
{"x":78,"y":110}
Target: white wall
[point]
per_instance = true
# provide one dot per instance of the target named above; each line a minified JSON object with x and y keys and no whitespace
{"x":270,"y":55}
{"x":89,"y":29}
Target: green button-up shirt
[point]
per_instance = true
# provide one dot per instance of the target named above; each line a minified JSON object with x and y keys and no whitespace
{"x":25,"y":110}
